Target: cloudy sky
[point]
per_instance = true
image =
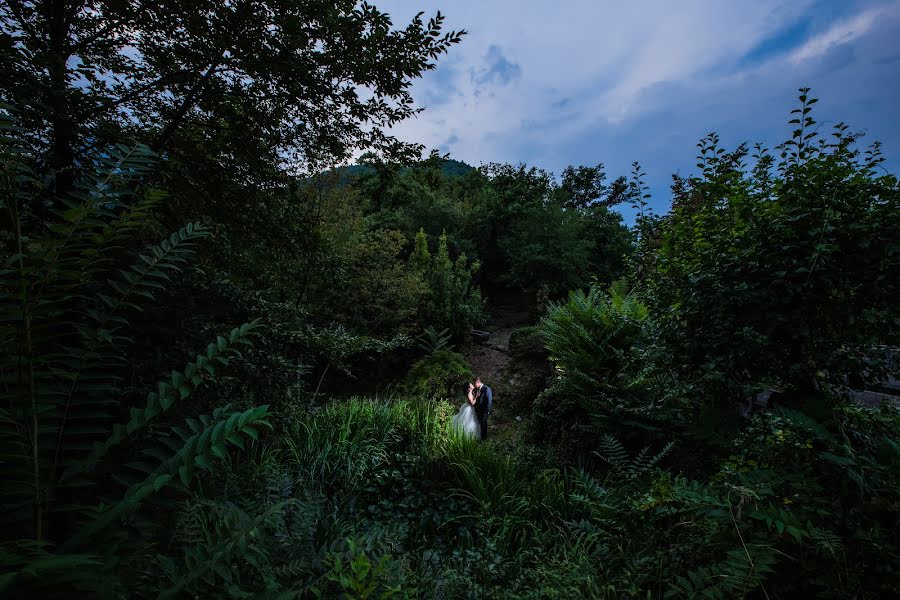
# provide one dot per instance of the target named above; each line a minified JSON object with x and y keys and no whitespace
{"x":587,"y":81}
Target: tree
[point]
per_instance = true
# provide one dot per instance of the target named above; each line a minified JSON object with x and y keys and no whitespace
{"x":582,"y":187}
{"x":545,"y":245}
{"x":296,"y":82}
{"x":421,"y":257}
{"x":453,"y":301}
{"x":380,"y":293}
{"x":239,"y":98}
{"x":536,"y":232}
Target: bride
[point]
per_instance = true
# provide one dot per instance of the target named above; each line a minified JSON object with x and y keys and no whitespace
{"x":466,"y":420}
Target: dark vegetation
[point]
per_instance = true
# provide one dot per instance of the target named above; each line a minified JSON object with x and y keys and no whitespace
{"x":228,"y":367}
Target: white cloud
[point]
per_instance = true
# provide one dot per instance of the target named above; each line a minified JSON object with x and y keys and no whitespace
{"x":599,"y":56}
{"x":842,"y":32}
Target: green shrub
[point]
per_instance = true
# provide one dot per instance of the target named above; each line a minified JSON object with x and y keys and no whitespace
{"x":596,"y":342}
{"x":357,"y":576}
{"x":438,"y":375}
{"x":526,"y":342}
{"x":779,"y":273}
{"x":453,"y":302}
{"x":794,"y":486}
{"x":591,"y":337}
{"x":558,"y":416}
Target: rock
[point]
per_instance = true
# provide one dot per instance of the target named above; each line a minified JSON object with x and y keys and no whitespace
{"x":755,"y":402}
{"x":480,"y":336}
{"x":518,"y":418}
{"x":875,"y":399}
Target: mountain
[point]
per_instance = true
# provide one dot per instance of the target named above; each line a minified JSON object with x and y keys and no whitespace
{"x":449,"y":167}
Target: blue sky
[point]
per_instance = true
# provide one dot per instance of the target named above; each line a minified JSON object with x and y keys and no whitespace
{"x":581,"y":82}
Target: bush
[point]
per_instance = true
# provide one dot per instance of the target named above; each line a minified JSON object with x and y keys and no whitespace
{"x":453,"y":301}
{"x":526,"y":342}
{"x":558,"y":418}
{"x":781,"y":274}
{"x":592,"y":336}
{"x":438,"y":374}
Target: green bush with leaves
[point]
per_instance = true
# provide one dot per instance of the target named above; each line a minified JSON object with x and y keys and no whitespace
{"x":595,"y":342}
{"x":441,"y":374}
{"x":453,"y":301}
{"x":526,"y":342}
{"x":355,"y":574}
{"x":591,"y":336}
{"x":780,"y":272}
{"x":790,"y":493}
{"x":387,"y":294}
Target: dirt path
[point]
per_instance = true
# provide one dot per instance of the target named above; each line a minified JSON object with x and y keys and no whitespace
{"x":491,"y":361}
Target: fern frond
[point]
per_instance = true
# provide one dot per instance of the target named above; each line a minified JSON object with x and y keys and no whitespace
{"x":742,"y":571}
{"x":207,"y":438}
{"x":643,"y":462}
{"x":29,"y":565}
{"x":179,"y":387}
{"x":223,"y":532}
{"x":613,"y":453}
{"x":100,"y":338}
{"x":587,"y":484}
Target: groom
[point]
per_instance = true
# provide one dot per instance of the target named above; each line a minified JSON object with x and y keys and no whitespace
{"x":484,"y":404}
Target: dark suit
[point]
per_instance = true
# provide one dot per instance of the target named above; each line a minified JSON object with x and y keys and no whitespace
{"x":484,"y":404}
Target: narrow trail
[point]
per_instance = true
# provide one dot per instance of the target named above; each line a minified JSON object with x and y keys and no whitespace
{"x":492,"y":362}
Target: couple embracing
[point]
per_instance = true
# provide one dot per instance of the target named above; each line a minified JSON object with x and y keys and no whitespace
{"x":472,"y":417}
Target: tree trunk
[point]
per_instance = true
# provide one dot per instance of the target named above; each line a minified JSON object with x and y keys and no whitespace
{"x":62,"y":128}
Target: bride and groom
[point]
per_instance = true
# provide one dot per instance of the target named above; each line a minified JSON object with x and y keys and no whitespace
{"x":472,"y":418}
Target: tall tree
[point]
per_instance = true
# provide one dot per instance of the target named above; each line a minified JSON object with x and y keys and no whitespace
{"x":582,"y":187}
{"x":298,"y":81}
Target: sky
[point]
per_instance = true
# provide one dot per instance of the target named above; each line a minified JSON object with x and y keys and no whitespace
{"x":581,"y":82}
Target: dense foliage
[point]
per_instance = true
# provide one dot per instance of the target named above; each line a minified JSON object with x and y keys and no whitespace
{"x":781,"y":274}
{"x":67,"y":296}
{"x":168,"y":180}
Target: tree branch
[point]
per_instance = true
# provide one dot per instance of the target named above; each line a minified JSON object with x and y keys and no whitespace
{"x":189,"y":100}
{"x":131,"y":95}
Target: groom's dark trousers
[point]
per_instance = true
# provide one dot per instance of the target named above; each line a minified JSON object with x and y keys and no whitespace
{"x":484,"y":403}
{"x":482,"y":423}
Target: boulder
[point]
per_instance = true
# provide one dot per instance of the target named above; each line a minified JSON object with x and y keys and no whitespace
{"x":480,"y":336}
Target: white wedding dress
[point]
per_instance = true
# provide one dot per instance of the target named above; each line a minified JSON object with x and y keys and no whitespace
{"x":467,"y":421}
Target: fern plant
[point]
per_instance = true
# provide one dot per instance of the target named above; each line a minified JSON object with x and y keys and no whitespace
{"x":67,"y":288}
{"x":740,"y":572}
{"x":434,"y":376}
{"x":595,"y":341}
{"x":591,"y":335}
{"x":432,"y":340}
{"x":623,"y":466}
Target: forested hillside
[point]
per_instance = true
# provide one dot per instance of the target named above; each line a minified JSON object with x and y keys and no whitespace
{"x":231,"y":352}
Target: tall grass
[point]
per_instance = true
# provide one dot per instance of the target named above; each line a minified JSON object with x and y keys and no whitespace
{"x":344,"y":448}
{"x":343,"y":442}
